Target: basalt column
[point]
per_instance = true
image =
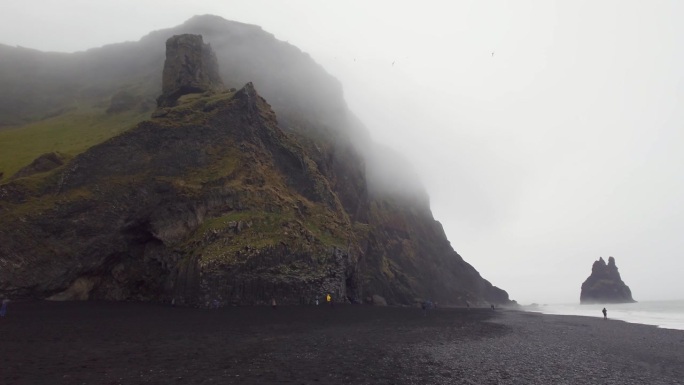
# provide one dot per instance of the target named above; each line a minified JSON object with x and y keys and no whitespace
{"x":190,"y":67}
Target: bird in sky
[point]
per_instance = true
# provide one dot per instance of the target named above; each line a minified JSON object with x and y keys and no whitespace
{"x":492,"y":54}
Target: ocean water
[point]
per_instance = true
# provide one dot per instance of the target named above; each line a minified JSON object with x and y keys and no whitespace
{"x":664,"y":314}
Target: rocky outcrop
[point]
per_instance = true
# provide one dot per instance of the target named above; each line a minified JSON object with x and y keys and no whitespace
{"x":190,"y":67}
{"x":604,"y":285}
{"x":43,"y":163}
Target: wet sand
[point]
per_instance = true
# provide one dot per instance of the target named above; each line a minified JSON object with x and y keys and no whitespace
{"x":133,"y":343}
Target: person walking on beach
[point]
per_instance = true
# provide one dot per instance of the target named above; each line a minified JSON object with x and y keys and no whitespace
{"x":605,"y":313}
{"x":3,"y":307}
{"x":274,"y":305}
{"x":329,"y":299}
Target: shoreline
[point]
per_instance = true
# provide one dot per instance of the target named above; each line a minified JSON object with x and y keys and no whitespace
{"x":138,"y":343}
{"x":609,"y":319}
{"x":668,"y":314}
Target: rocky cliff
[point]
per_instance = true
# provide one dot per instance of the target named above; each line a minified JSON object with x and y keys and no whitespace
{"x":209,"y":201}
{"x":216,"y":198}
{"x":604,"y":285}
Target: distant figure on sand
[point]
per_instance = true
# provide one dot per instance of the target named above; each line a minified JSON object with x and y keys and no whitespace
{"x":468,"y":304}
{"x":492,"y":306}
{"x":605,"y":313}
{"x":273,"y":303}
{"x":329,"y":299}
{"x":3,"y":308}
{"x":316,"y":301}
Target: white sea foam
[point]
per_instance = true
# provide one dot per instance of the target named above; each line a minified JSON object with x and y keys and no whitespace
{"x":664,"y":314}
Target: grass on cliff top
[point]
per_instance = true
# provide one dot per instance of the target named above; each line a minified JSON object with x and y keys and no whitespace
{"x":78,"y":129}
{"x":70,"y":133}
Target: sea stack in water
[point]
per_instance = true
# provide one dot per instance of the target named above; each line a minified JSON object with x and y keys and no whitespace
{"x":190,"y":67}
{"x":604,"y":285}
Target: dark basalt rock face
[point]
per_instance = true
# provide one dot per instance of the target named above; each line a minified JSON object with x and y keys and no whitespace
{"x":190,"y":67}
{"x":604,"y":285}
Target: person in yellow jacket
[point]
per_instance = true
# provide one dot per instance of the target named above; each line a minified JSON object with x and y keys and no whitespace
{"x":329,"y":299}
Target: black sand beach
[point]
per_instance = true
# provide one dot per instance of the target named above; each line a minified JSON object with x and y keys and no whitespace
{"x":131,"y":343}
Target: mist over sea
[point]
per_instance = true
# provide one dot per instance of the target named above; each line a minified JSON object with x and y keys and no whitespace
{"x":664,"y":314}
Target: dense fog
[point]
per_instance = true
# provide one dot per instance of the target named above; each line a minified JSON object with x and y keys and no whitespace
{"x":547,"y":134}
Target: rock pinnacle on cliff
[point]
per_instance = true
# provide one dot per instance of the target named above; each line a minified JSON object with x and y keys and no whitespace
{"x":190,"y":67}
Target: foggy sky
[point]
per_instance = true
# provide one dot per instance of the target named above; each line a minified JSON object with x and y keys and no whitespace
{"x":565,"y":145}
